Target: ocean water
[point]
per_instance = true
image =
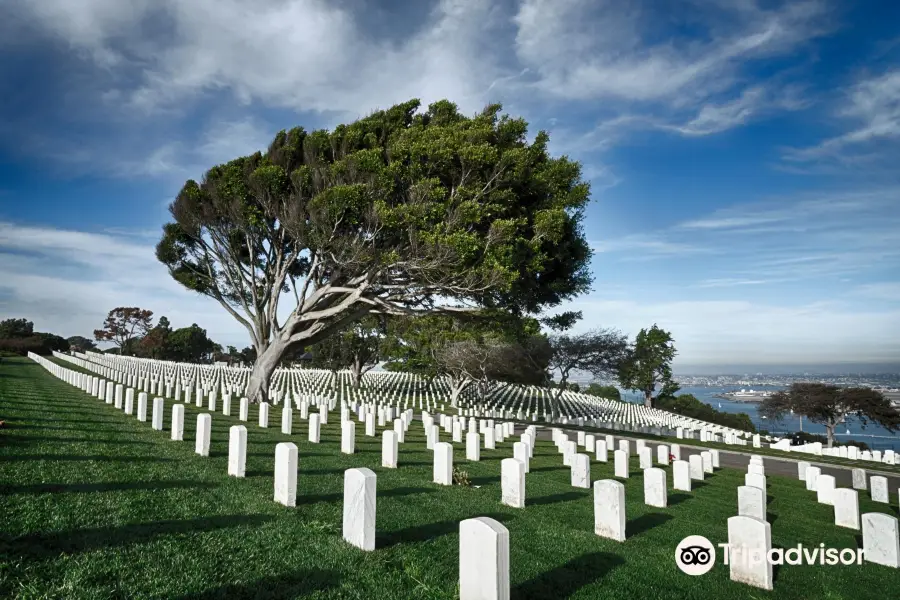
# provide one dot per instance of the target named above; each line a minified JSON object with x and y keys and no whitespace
{"x":875,"y":436}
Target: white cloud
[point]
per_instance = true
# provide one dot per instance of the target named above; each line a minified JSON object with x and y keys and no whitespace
{"x":740,"y":332}
{"x":872,"y":107}
{"x":66,"y":282}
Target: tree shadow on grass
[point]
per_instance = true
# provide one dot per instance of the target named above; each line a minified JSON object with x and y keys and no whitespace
{"x":646,"y":522}
{"x":565,"y":580}
{"x":675,"y":499}
{"x":62,"y":488}
{"x":542,"y":469}
{"x":771,"y":517}
{"x":70,"y":440}
{"x":97,"y":457}
{"x":555,"y":498}
{"x":422,"y":533}
{"x":291,"y":585}
{"x":39,"y":546}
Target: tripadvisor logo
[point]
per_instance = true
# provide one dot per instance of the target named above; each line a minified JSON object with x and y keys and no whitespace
{"x":696,"y":555}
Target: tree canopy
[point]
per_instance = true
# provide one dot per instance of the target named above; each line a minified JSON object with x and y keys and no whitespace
{"x":124,"y":324}
{"x":16,"y":328}
{"x":830,"y":405}
{"x":599,"y":352}
{"x":401,"y":212}
{"x":359,"y":348}
{"x":648,"y":363}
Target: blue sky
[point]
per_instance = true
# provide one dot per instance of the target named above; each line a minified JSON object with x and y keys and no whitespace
{"x":743,"y":154}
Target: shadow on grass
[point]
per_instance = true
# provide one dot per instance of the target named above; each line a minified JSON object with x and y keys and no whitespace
{"x":38,"y":546}
{"x":556,"y":498}
{"x":644,"y":523}
{"x":422,"y":533}
{"x":771,"y":517}
{"x":97,"y":457}
{"x":541,"y":469}
{"x":291,"y":585}
{"x":68,"y":440}
{"x":62,"y":488}
{"x":564,"y":581}
{"x":675,"y":499}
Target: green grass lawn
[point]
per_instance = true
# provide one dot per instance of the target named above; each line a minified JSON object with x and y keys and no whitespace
{"x":98,"y":505}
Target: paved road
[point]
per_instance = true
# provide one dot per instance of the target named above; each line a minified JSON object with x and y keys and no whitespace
{"x":786,"y":467}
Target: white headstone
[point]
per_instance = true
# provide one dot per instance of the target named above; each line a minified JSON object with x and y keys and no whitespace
{"x":473,"y":446}
{"x":881,"y":539}
{"x":609,"y":509}
{"x":752,"y":502}
{"x":581,"y":471}
{"x":601,"y":451}
{"x":264,"y":414}
{"x":696,"y":463}
{"x":178,"y":422}
{"x":812,"y":473}
{"x":645,"y":458}
{"x":655,"y":487}
{"x":483,"y":560}
{"x":204,"y":433}
{"x":287,"y":419}
{"x":750,"y":541}
{"x":846,"y":508}
{"x":621,"y":464}
{"x":756,"y":469}
{"x":512,"y":482}
{"x":237,"y":450}
{"x":348,"y":437}
{"x":314,"y":428}
{"x":158,"y":408}
{"x":681,"y":474}
{"x":754,"y":480}
{"x":879,"y":487}
{"x":443,"y":463}
{"x":802,"y":466}
{"x":825,"y":489}
{"x":286,"y":473}
{"x":389,"y":449}
{"x":520,"y":452}
{"x":359,"y":507}
{"x":859,"y":479}
{"x":244,"y":410}
{"x":662,"y":454}
{"x":706,"y":457}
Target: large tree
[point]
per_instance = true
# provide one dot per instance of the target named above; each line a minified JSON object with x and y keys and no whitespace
{"x":830,"y":405}
{"x":648,"y":364}
{"x":123,"y":324}
{"x":599,"y":352}
{"x":401,"y":212}
{"x":191,"y":344}
{"x":156,"y":343}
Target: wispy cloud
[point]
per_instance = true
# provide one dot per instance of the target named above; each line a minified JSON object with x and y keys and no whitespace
{"x":735,"y":332}
{"x":871,"y":110}
{"x":66,"y":281}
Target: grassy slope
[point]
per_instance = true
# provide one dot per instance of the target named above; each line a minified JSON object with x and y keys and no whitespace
{"x":98,"y":505}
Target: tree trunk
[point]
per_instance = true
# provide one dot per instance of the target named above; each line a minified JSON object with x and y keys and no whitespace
{"x":356,"y":374}
{"x":265,"y":365}
{"x":456,"y":388}
{"x":648,"y":398}
{"x":829,"y":433}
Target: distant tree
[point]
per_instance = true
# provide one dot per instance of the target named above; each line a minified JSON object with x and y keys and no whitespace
{"x":359,"y":348}
{"x":610,"y":392}
{"x":156,"y":343}
{"x":574,"y":387}
{"x":403,"y":212}
{"x":598,"y":352}
{"x":16,"y":328}
{"x":79,"y":343}
{"x":248,"y":355}
{"x":648,"y":363}
{"x":124,"y":324}
{"x":191,"y":344}
{"x":830,"y":405}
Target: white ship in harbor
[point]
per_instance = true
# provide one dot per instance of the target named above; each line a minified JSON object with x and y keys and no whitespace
{"x":745,"y":395}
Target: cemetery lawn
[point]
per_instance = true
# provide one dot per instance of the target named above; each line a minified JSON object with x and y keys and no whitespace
{"x":96,"y":504}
